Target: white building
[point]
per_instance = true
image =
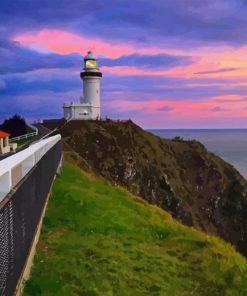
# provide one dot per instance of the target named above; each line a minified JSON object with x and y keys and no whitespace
{"x":89,"y":105}
{"x":4,"y":142}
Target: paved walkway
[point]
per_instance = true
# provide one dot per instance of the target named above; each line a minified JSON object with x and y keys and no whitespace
{"x":42,"y":132}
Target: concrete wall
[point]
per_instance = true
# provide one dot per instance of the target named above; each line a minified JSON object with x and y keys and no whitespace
{"x":23,"y":162}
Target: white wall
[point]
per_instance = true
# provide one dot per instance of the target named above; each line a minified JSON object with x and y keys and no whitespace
{"x":81,"y":112}
{"x":91,"y":91}
{"x":24,"y":161}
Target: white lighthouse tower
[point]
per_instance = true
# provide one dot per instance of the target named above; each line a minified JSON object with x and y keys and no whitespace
{"x":89,"y":105}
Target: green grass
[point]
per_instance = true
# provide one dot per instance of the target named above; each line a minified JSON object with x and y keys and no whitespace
{"x":23,"y":141}
{"x":101,"y":240}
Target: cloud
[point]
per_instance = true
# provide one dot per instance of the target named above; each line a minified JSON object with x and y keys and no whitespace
{"x":26,"y":15}
{"x":218,"y":71}
{"x":65,"y":42}
{"x":176,"y":89}
{"x":165,"y":108}
{"x":185,"y":114}
{"x":230,"y":99}
{"x":149,"y":22}
{"x":44,"y":104}
{"x":158,"y":61}
{"x":2,"y":84}
{"x":111,"y":55}
{"x":17,"y":59}
{"x":216,"y":109}
{"x":147,"y":88}
{"x":150,"y":51}
{"x":36,"y":82}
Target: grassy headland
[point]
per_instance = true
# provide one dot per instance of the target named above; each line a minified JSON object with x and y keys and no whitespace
{"x":101,"y":240}
{"x":195,"y":186}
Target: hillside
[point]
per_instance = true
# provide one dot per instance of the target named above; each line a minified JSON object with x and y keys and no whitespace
{"x":195,"y":186}
{"x":101,"y":240}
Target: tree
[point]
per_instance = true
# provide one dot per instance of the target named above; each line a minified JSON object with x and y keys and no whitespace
{"x":15,"y":126}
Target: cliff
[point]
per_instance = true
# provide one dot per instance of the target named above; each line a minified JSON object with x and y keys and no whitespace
{"x":183,"y":177}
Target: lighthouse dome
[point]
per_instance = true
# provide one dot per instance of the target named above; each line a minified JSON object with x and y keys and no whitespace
{"x":89,"y":56}
{"x":90,"y":62}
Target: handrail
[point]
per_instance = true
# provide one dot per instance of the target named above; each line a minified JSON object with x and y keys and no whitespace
{"x":16,"y":166}
{"x":32,"y":134}
{"x":23,"y":137}
{"x":33,"y":128}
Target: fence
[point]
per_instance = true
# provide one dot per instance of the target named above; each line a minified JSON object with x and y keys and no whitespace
{"x":33,"y":128}
{"x":27,"y":181}
{"x":26,"y":136}
{"x":29,"y":135}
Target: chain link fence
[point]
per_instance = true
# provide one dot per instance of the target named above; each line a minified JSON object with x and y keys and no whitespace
{"x":20,"y":213}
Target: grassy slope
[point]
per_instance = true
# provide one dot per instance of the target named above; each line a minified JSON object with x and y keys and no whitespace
{"x":23,"y":141}
{"x":101,"y":240}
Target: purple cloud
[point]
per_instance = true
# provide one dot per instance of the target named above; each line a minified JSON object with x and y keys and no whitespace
{"x":232,"y":100}
{"x":216,"y":109}
{"x":17,"y":59}
{"x":149,"y":22}
{"x":165,"y":108}
{"x":158,"y":61}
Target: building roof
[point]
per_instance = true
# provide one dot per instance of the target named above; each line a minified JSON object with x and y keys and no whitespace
{"x":4,"y":134}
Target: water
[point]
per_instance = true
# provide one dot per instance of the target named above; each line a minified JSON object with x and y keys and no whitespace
{"x":229,"y":144}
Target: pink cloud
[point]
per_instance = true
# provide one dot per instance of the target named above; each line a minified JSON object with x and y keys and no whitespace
{"x":63,"y":42}
{"x":190,"y":119}
{"x":189,"y":112}
{"x":206,"y":59}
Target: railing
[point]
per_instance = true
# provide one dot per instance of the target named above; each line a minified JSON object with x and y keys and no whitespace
{"x":28,"y":135}
{"x":11,"y":140}
{"x":15,"y":167}
{"x":25,"y":182}
{"x":33,"y":128}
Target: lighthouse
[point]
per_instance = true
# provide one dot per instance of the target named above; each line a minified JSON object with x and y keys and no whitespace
{"x":89,"y":105}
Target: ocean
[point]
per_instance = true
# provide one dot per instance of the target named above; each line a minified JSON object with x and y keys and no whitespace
{"x":229,"y":144}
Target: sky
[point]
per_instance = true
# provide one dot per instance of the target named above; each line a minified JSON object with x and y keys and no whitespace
{"x":165,"y":64}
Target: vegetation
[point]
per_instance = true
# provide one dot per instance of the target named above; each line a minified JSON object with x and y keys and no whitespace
{"x":15,"y":125}
{"x":182,"y":177}
{"x":24,"y":141}
{"x":98,"y":239}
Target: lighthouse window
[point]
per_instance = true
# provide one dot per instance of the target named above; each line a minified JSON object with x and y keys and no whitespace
{"x":85,"y":112}
{"x":97,"y":91}
{"x":90,"y":64}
